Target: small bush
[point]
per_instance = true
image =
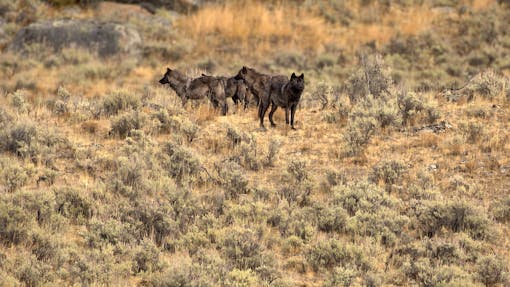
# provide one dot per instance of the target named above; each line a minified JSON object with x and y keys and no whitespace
{"x":242,"y":247}
{"x":491,"y":270}
{"x":241,"y":278}
{"x":120,"y":100}
{"x":180,"y":163}
{"x":21,"y":140}
{"x":123,"y":125}
{"x":232,"y":178}
{"x":45,"y":248}
{"x":358,"y":134}
{"x":334,"y":253}
{"x":501,"y":210}
{"x":146,"y":259}
{"x":33,"y":272}
{"x":5,"y":119}
{"x":72,"y":205}
{"x":298,"y":170}
{"x":332,"y":219}
{"x":372,"y":78}
{"x":341,"y":277}
{"x":175,"y":277}
{"x":234,"y":136}
{"x":389,"y":172}
{"x":15,"y":224}
{"x":409,"y":106}
{"x":456,"y":216}
{"x":272,"y":152}
{"x":13,"y":176}
{"x":18,"y":101}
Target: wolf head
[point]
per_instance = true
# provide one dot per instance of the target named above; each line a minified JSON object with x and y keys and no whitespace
{"x":297,"y":84}
{"x":245,"y":74}
{"x":166,"y":77}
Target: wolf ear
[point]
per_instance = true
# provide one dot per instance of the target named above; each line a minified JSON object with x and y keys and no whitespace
{"x":302,"y":76}
{"x":168,"y":70}
{"x":204,"y":75}
{"x":245,"y":70}
{"x":293,"y":76}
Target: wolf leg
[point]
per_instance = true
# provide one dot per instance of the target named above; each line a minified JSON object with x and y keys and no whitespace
{"x":292,"y":113}
{"x":224,"y":108}
{"x":264,"y":105}
{"x":273,"y":109}
{"x":287,"y":115}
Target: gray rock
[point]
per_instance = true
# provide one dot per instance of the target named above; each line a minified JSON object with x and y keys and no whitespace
{"x":104,"y":38}
{"x":181,"y":6}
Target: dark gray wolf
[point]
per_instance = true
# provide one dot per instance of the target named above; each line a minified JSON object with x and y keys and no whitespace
{"x":286,"y":94}
{"x":260,"y":86}
{"x":187,"y":88}
{"x":235,"y":89}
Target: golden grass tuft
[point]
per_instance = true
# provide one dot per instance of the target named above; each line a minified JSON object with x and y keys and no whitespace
{"x":255,"y":27}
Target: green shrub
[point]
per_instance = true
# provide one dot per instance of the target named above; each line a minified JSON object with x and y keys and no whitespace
{"x":123,"y":125}
{"x":18,"y":101}
{"x":175,"y":277}
{"x":146,"y":259}
{"x":455,"y":216}
{"x":241,"y":278}
{"x":120,"y":100}
{"x":491,"y":270}
{"x":501,"y":210}
{"x":425,"y":273}
{"x":341,"y":276}
{"x":362,"y":197}
{"x":107,"y":232}
{"x":21,"y":140}
{"x":129,"y":178}
{"x":5,"y":118}
{"x":272,"y":152}
{"x":358,"y":134}
{"x":234,"y":135}
{"x":248,"y":154}
{"x":71,"y":204}
{"x":232,"y":178}
{"x":298,"y":170}
{"x":45,"y":247}
{"x":409,"y":105}
{"x":33,"y":272}
{"x":389,"y":172}
{"x":334,"y":253}
{"x":15,"y":224}
{"x":242,"y":247}
{"x":13,"y":176}
{"x":332,"y":219}
{"x":298,"y":223}
{"x":372,"y":78}
{"x":180,"y":163}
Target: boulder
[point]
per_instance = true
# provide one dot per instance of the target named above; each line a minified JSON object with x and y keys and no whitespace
{"x":104,"y":38}
{"x":181,"y":6}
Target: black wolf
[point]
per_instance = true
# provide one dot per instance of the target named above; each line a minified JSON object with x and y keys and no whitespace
{"x":260,"y":86}
{"x":187,"y":88}
{"x":286,"y":94}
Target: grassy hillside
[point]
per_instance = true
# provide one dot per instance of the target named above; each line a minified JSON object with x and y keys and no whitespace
{"x":398,"y":173}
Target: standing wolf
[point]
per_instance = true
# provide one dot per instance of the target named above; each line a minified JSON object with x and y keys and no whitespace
{"x":286,"y":94}
{"x":195,"y":89}
{"x":234,"y":89}
{"x":260,"y":86}
{"x":185,"y":87}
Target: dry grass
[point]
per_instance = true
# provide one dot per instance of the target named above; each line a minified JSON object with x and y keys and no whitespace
{"x":255,"y":27}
